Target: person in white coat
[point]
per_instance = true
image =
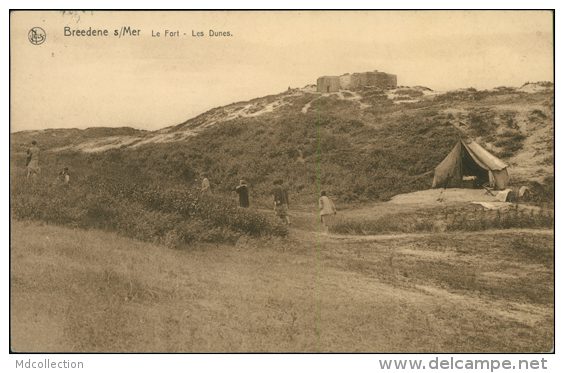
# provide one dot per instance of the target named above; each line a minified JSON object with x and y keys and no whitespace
{"x":326,"y":211}
{"x":205,"y":192}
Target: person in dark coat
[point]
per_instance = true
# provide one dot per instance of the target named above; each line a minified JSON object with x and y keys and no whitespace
{"x":243,"y":193}
{"x":281,"y":201}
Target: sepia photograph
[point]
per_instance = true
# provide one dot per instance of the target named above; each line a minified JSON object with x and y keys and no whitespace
{"x":375,"y":181}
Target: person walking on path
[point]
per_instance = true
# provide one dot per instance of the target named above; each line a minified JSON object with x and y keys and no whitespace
{"x":206,"y":189}
{"x":326,"y":210}
{"x":32,"y":165}
{"x":281,"y":201}
{"x":243,"y":193}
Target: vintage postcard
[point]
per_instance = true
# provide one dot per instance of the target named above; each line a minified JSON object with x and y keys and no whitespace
{"x":282,"y":182}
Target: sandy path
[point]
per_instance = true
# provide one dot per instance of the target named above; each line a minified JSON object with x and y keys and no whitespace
{"x":382,"y":237}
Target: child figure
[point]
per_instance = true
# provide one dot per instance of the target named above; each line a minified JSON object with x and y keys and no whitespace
{"x":64,"y":176}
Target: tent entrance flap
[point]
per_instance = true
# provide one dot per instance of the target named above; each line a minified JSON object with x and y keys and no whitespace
{"x":473,"y":167}
{"x":470,"y":161}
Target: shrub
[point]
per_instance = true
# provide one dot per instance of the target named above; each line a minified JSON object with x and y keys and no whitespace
{"x":536,"y":114}
{"x":509,"y":119}
{"x":148,"y":213}
{"x":510,"y":142}
{"x":481,"y":125}
{"x":409,"y":92}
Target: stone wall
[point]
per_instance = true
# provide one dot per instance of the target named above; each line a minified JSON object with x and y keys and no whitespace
{"x":345,"y":81}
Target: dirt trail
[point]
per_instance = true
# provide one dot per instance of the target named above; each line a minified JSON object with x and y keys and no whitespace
{"x":304,"y":218}
{"x":363,"y":289}
{"x":429,"y":279}
{"x":307,"y":106}
{"x":382,"y":237}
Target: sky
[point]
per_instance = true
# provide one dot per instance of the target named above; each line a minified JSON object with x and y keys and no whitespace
{"x":151,"y":82}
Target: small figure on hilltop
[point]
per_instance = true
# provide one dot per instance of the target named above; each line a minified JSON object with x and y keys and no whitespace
{"x":326,"y":210}
{"x":206,"y":189}
{"x":243,"y":193}
{"x":32,"y":163}
{"x":281,"y":201}
{"x":64,"y":176}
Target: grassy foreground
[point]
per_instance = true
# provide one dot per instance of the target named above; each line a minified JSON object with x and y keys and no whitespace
{"x":76,"y":290}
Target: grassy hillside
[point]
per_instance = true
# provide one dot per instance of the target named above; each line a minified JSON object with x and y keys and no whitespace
{"x":60,"y":138}
{"x":360,"y":146}
{"x":361,"y":159}
{"x":78,"y":291}
{"x":92,"y":291}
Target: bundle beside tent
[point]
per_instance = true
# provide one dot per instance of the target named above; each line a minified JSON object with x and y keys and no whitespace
{"x":472,"y":162}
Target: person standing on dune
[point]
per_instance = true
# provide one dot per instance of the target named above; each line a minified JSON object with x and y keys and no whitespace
{"x":33,"y":168}
{"x":281,"y":201}
{"x":243,"y":193}
{"x":326,"y":211}
{"x":206,"y":189}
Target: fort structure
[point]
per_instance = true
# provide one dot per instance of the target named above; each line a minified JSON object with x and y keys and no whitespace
{"x":328,"y":84}
{"x":374,"y":78}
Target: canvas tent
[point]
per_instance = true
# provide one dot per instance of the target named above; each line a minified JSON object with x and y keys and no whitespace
{"x":470,"y":160}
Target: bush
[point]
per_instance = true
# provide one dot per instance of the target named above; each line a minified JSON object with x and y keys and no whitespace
{"x":509,"y":119}
{"x":411,"y":93}
{"x":481,"y":124}
{"x":510,"y":142}
{"x":147,"y":213}
{"x":536,"y":114}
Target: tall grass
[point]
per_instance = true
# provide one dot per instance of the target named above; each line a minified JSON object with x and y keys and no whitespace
{"x":107,"y":293}
{"x":466,"y":220}
{"x":92,"y":291}
{"x":145,"y":212}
